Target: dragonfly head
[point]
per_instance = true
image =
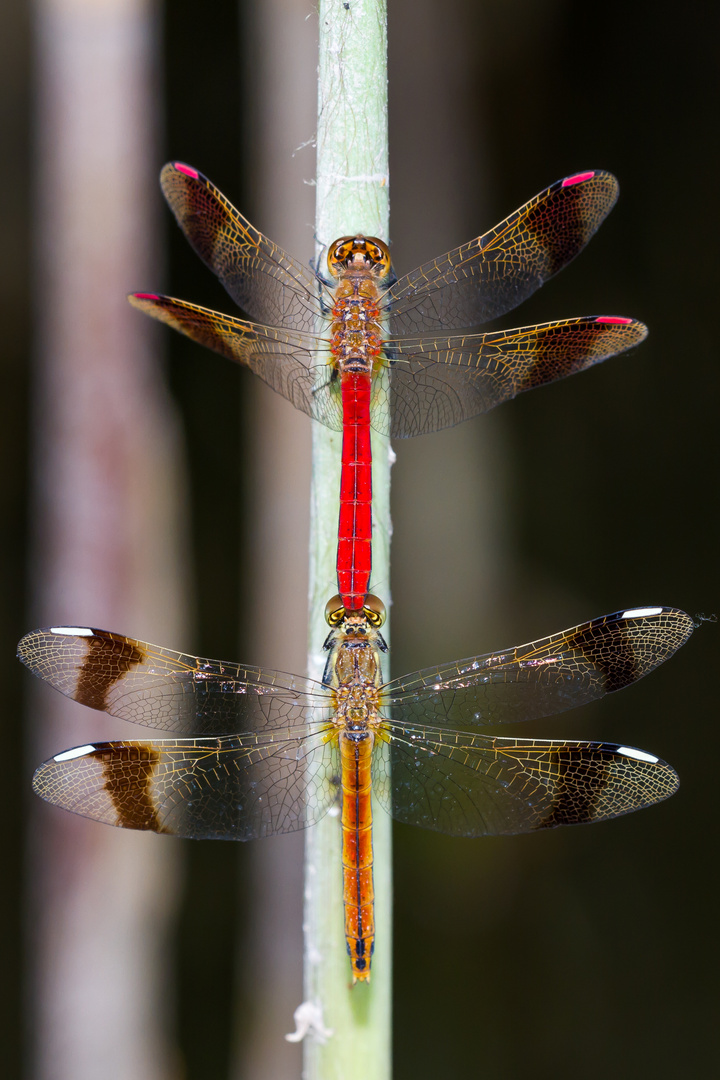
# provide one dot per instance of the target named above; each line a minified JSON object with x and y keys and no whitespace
{"x":373,"y":612}
{"x":354,"y":639}
{"x":365,"y":253}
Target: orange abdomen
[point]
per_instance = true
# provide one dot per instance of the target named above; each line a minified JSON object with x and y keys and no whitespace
{"x":357,"y":854}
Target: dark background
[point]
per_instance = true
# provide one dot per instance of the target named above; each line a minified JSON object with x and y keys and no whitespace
{"x":587,"y":952}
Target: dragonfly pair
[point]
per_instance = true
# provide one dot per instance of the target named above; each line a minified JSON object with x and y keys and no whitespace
{"x":260,"y":752}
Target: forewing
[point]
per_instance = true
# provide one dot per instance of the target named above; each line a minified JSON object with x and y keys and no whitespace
{"x":440,"y":381}
{"x":267,"y":283}
{"x":494,"y":273}
{"x":473,"y":785}
{"x":167,"y":690}
{"x":543,"y":677}
{"x":229,"y":788}
{"x":290,"y":362}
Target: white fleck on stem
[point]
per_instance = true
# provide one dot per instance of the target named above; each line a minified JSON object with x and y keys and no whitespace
{"x":308,"y":1021}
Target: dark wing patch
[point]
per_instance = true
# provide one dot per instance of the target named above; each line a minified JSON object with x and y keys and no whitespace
{"x":492,"y":787}
{"x":295,"y":365}
{"x":229,"y":788}
{"x":440,"y":381}
{"x":168,"y":690}
{"x":268,"y":284}
{"x":492,"y":274}
{"x":541,"y":678}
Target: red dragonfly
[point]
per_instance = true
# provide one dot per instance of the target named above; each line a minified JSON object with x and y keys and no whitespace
{"x":261,"y":752}
{"x":326,"y":339}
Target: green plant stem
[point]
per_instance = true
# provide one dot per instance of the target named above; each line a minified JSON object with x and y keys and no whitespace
{"x":352,"y":197}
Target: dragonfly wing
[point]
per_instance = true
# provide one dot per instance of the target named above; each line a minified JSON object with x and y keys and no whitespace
{"x":266,"y":282}
{"x":494,"y":273}
{"x":290,"y":362}
{"x":474,"y":785}
{"x":229,"y":788}
{"x":543,"y":677}
{"x":438,"y":382}
{"x":168,"y":690}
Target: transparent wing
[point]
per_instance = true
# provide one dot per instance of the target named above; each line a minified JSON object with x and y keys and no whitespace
{"x":438,"y":382}
{"x":167,"y":690}
{"x":287,"y":361}
{"x":544,"y":677}
{"x":229,"y":788}
{"x":492,"y":274}
{"x":267,"y":283}
{"x":435,"y":381}
{"x":474,"y":785}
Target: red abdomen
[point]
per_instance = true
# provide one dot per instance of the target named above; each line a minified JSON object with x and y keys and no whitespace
{"x":354,"y":554}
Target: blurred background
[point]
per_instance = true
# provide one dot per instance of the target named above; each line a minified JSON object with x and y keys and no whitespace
{"x":154,"y":489}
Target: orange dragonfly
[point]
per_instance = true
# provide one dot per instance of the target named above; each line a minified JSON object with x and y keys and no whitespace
{"x":329,"y":335}
{"x":262,"y":752}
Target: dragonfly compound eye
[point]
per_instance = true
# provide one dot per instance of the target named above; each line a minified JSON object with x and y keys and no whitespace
{"x":378,"y":253}
{"x":339,"y":253}
{"x":334,"y":611}
{"x":374,"y":610}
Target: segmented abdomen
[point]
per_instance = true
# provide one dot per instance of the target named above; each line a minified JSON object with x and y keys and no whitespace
{"x":357,"y":854}
{"x":354,"y":553}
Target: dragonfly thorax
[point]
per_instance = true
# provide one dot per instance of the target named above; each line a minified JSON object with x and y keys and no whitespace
{"x":354,"y":645}
{"x":356,"y":335}
{"x":357,"y":707}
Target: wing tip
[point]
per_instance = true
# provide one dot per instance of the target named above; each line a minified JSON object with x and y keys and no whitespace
{"x":671,"y":780}
{"x":579,"y":178}
{"x":148,"y":303}
{"x":643,"y":612}
{"x":638,"y":330}
{"x":75,"y":752}
{"x":22,"y":651}
{"x":143,"y":296}
{"x":637,"y":755}
{"x":583,"y":177}
{"x":181,"y":167}
{"x":671,"y":614}
{"x":27,"y":646}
